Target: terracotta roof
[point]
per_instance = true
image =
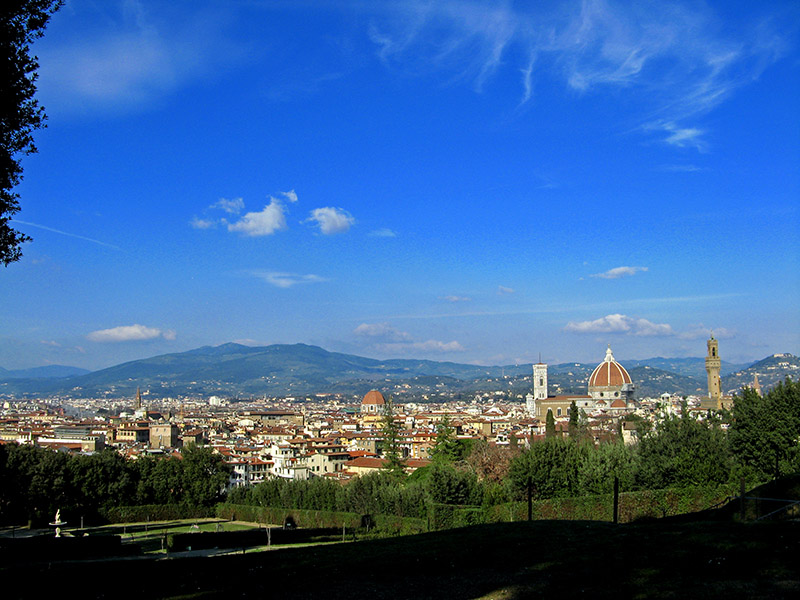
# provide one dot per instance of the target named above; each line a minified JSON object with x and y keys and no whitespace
{"x":373,"y":397}
{"x":609,"y":373}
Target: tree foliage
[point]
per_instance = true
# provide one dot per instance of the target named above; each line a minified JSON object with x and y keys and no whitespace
{"x":447,"y":448}
{"x":391,"y":441}
{"x":765,"y":429}
{"x":21,"y":22}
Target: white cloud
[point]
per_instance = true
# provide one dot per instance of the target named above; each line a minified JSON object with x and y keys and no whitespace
{"x":286,"y":280}
{"x":382,"y":331}
{"x":618,"y":323}
{"x":384,"y":232}
{"x":504,"y":291}
{"x":618,"y":272}
{"x":231,"y":206}
{"x":198,"y":223}
{"x":291,"y":195}
{"x":265,"y":222}
{"x":331,"y":220}
{"x":128,"y":333}
{"x":456,"y":298}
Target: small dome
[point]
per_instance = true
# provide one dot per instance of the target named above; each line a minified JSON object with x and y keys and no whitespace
{"x":373,"y":397}
{"x":609,"y":373}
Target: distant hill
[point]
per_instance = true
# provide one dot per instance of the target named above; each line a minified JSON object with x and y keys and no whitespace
{"x":770,"y":371}
{"x":47,"y":372}
{"x":300,"y":369}
{"x":694,"y":367}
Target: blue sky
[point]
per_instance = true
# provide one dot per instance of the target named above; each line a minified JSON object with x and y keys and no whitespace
{"x":467,"y":181}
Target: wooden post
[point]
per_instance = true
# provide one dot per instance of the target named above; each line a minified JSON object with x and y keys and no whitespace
{"x":616,"y":500}
{"x":530,"y":501}
{"x":741,"y":499}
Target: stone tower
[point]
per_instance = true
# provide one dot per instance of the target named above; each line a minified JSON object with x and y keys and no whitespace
{"x":712,"y":368}
{"x":540,"y":381}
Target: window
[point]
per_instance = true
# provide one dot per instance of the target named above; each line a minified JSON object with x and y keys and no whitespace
{"x":558,"y":412}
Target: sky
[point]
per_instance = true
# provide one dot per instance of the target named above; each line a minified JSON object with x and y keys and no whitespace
{"x":478,"y":182}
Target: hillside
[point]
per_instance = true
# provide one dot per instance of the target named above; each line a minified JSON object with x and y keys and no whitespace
{"x":770,"y":371}
{"x":299,"y":369}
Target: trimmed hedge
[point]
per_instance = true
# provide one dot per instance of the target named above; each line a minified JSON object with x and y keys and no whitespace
{"x":633,"y":506}
{"x":381,"y":524}
{"x":155,"y":512}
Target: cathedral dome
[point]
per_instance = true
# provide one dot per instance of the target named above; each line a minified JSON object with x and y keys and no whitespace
{"x":609,"y":374}
{"x":373,"y":397}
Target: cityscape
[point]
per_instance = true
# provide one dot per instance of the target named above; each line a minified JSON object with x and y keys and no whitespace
{"x":465,"y":299}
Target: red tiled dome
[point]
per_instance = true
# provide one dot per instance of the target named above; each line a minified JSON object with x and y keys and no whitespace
{"x":609,"y":373}
{"x":373,"y":397}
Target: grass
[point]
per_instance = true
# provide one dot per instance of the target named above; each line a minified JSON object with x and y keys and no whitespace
{"x":550,"y":559}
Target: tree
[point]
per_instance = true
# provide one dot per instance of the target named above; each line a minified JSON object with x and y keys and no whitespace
{"x":684,"y":452}
{"x":552,"y":467}
{"x":766,"y":430}
{"x":391,"y":441}
{"x":205,"y":476}
{"x":550,"y":425}
{"x":21,"y":22}
{"x":446,"y":449}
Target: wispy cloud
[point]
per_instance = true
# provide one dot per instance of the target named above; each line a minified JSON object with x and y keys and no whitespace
{"x":504,"y":291}
{"x":618,"y":323}
{"x":455,"y":299}
{"x":674,"y":57}
{"x":382,"y":332}
{"x":700,"y":331}
{"x":385,"y":338}
{"x":137,"y":57}
{"x":618,"y":272}
{"x":130,"y":333}
{"x":331,"y":220}
{"x":382,"y":233}
{"x":680,"y":168}
{"x":72,"y":235}
{"x":232,"y":206}
{"x":286,"y":280}
{"x":198,"y":223}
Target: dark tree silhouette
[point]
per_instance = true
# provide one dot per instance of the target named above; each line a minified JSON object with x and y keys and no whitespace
{"x":21,"y":22}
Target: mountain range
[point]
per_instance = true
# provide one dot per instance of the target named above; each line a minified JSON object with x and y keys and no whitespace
{"x":299,"y":369}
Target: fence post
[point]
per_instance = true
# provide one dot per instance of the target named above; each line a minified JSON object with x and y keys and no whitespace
{"x":741,"y":499}
{"x":530,"y":501}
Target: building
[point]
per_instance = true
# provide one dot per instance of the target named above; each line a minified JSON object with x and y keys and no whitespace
{"x":715,"y":400}
{"x":373,"y":403}
{"x":610,"y":391}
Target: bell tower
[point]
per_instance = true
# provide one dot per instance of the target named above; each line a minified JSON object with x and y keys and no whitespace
{"x":540,"y":381}
{"x":712,"y":368}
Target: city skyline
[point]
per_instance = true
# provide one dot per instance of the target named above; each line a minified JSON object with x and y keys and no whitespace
{"x":474,"y":182}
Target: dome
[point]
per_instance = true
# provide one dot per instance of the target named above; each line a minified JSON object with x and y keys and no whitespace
{"x":373,"y":397}
{"x":609,"y":374}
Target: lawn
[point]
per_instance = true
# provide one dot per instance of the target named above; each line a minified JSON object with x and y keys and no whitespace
{"x":661,"y":559}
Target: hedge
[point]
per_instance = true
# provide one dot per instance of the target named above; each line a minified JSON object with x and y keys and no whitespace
{"x":633,"y":506}
{"x":380,"y":524}
{"x":155,"y":512}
